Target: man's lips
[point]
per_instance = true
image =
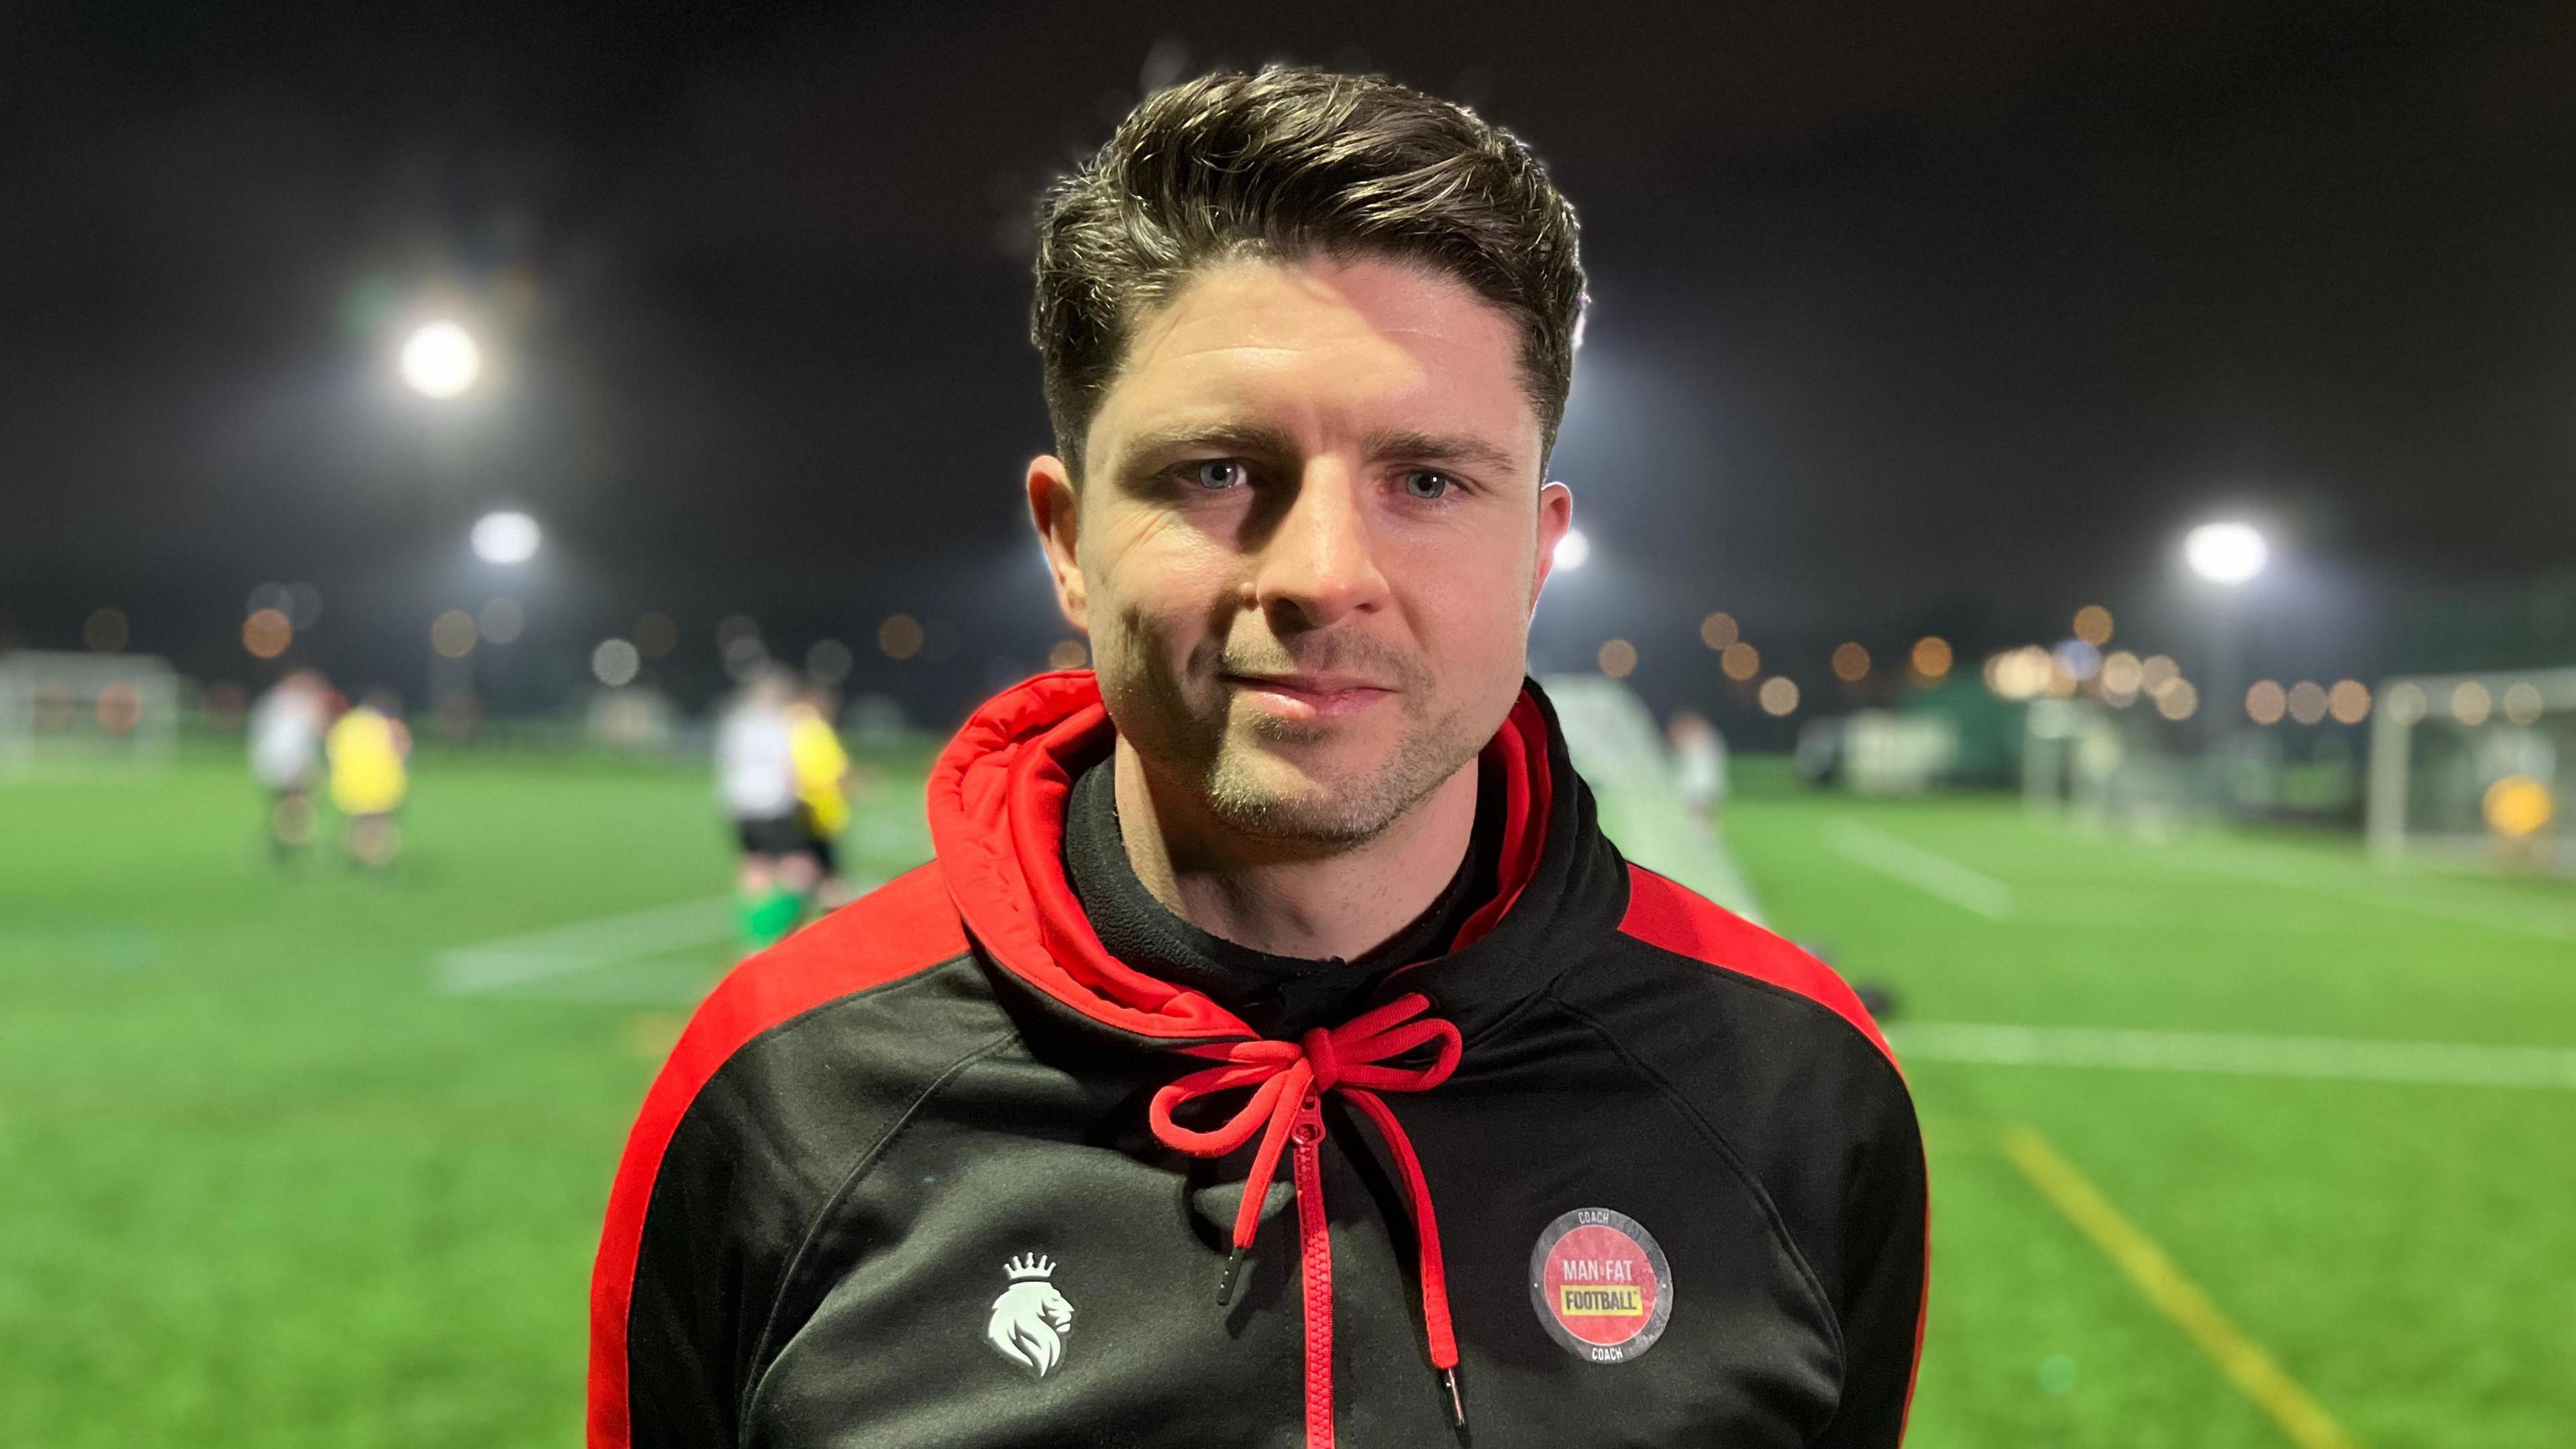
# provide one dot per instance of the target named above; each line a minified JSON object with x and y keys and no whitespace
{"x":1308,"y":696}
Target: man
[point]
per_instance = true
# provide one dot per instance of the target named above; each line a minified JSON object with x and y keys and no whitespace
{"x":1699,"y":768}
{"x":1276,"y":1053}
{"x":370,"y":755}
{"x":822,"y":793}
{"x":756,"y":777}
{"x":285,"y":755}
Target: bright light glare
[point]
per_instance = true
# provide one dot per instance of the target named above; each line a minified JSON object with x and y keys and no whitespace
{"x":2226,"y":553}
{"x":1573,"y":550}
{"x":441,"y":359}
{"x":505,"y":538}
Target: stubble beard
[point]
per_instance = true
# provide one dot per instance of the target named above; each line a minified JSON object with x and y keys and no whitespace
{"x":1243,"y":765}
{"x":1332,"y":809}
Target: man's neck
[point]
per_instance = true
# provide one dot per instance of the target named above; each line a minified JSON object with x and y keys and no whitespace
{"x":1290,"y":899}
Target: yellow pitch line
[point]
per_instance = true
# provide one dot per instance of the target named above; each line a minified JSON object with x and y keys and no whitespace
{"x":2153,"y":1270}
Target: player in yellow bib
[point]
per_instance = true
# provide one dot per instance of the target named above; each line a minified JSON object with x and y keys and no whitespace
{"x":368,"y":749}
{"x":822,"y":792}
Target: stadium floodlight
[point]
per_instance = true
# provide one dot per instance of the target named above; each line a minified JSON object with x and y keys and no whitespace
{"x":440,"y":359}
{"x":506,"y":537}
{"x":2227,"y":552}
{"x":1573,"y":550}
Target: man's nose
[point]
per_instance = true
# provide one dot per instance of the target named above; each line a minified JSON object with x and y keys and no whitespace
{"x":1320,"y":561}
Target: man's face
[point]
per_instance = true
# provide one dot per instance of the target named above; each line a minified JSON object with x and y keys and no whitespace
{"x":1308,"y":541}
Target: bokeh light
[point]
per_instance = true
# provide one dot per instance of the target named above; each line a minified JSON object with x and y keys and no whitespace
{"x":2518,"y":806}
{"x":2024,"y":673}
{"x":1718,"y":631}
{"x":2471,"y":704}
{"x":2308,"y":702}
{"x":506,"y":537}
{"x":2407,"y":704}
{"x":2093,"y":625}
{"x":1068,"y":654}
{"x":2266,"y":702}
{"x":1617,"y":658}
{"x":1740,"y":661}
{"x":440,"y":359}
{"x":2226,"y":553}
{"x":453,"y":634}
{"x":827,"y":661}
{"x":266,"y":633}
{"x":1851,"y":662}
{"x":2522,"y":702}
{"x":2177,"y":700}
{"x":501,"y":620}
{"x":614,"y":663}
{"x":2122,"y":676}
{"x":106,"y":630}
{"x":1932,"y":657}
{"x":2156,"y":671}
{"x":899,"y":636}
{"x":1573,"y":551}
{"x":2349,"y":701}
{"x":1779,"y":695}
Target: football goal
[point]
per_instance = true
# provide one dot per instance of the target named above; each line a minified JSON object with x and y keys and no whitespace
{"x":2476,"y":767}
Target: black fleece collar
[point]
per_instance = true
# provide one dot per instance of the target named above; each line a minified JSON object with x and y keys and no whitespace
{"x":1278,"y":996}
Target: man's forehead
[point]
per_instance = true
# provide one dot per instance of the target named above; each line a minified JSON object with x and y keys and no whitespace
{"x":1368,"y":347}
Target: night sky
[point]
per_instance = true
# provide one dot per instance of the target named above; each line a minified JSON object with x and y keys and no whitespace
{"x":1938,"y":316}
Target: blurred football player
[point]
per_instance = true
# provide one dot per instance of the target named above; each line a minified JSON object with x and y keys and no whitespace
{"x":370,"y":753}
{"x":756,"y":776}
{"x":286,"y":728}
{"x":822,"y":792}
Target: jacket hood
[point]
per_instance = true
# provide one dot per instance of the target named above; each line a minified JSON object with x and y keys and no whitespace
{"x":997,"y":802}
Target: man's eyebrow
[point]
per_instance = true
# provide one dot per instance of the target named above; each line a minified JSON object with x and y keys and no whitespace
{"x":1225,"y":439}
{"x":1464,"y":450}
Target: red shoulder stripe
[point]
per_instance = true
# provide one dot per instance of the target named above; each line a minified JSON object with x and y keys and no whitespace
{"x":1661,"y":913}
{"x":905,"y":926}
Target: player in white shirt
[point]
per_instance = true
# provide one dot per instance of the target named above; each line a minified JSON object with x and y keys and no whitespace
{"x":286,"y":727}
{"x":1699,"y":768}
{"x":756,"y":776}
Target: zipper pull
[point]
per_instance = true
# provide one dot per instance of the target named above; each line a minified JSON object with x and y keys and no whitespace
{"x":1310,"y":1124}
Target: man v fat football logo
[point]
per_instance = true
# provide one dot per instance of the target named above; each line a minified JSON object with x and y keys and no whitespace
{"x":1030,"y":1319}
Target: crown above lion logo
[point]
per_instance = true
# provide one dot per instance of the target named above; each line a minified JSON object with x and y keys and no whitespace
{"x":1030,"y":1265}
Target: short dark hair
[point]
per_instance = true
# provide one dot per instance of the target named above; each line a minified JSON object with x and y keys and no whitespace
{"x":1294,"y":162}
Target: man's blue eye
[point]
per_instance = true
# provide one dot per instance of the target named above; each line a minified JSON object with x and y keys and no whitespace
{"x":1218,"y":473}
{"x":1423,"y":483}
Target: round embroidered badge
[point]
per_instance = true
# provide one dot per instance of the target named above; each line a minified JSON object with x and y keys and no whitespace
{"x":1601,"y":1286}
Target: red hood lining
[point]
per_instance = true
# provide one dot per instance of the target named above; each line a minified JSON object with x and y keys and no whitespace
{"x":997,"y":803}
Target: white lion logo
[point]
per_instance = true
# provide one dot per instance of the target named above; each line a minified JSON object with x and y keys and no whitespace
{"x":1031,"y":1318}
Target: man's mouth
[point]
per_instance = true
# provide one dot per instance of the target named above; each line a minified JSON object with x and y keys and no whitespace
{"x":1308,"y":696}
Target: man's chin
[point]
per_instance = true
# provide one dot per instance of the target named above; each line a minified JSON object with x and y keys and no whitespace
{"x":1262,"y":793}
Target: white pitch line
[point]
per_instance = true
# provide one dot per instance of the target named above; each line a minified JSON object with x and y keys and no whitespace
{"x":1934,"y":875}
{"x":584,"y":945}
{"x":2461,"y":1064}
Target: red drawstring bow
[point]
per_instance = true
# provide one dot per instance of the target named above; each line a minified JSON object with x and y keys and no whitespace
{"x":1287,"y":1080}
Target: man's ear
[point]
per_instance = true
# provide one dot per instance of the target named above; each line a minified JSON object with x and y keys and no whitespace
{"x":1057,"y":511}
{"x":1555,"y":516}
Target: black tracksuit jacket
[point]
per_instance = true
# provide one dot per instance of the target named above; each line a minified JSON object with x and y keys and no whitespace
{"x":927,"y":1174}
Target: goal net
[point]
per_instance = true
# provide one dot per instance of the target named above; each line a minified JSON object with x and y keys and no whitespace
{"x":80,"y":713}
{"x":2476,"y":767}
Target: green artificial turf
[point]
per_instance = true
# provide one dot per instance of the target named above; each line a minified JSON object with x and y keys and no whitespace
{"x":262,"y":1182}
{"x":2404,"y":1251}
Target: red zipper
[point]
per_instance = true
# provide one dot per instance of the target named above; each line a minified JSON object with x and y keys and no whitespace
{"x":1315,"y":1267}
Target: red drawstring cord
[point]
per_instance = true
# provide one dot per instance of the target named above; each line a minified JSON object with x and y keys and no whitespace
{"x":1283,"y":1078}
